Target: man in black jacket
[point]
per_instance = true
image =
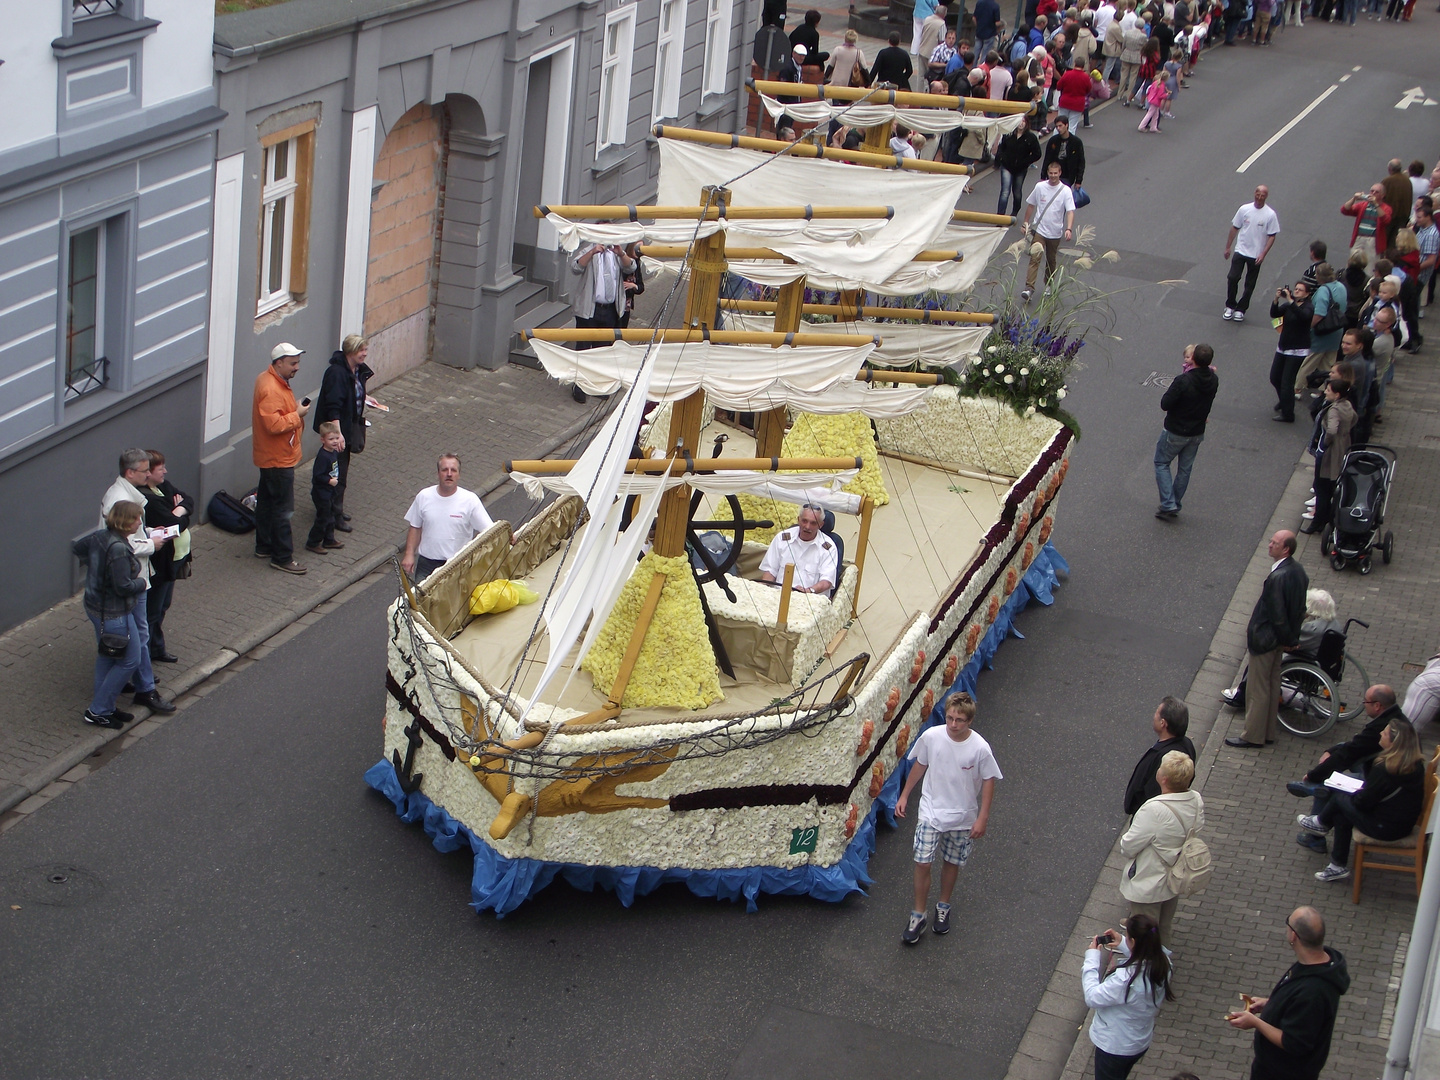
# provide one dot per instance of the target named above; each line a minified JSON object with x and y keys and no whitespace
{"x":1187,"y":404}
{"x":1018,"y":150}
{"x":892,"y":65}
{"x":342,"y":398}
{"x":1068,"y":150}
{"x":1171,"y":720}
{"x":1380,"y":708}
{"x":1294,"y":1024}
{"x":1274,"y":628}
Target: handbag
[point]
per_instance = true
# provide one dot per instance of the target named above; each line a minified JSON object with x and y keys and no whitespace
{"x":1332,"y":320}
{"x":115,"y":646}
{"x":1082,"y":197}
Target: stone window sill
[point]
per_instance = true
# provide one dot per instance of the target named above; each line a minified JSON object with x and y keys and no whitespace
{"x":92,"y":34}
{"x":610,"y":159}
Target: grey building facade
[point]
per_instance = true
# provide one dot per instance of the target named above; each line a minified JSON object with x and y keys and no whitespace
{"x":106,"y":174}
{"x":379,"y":159}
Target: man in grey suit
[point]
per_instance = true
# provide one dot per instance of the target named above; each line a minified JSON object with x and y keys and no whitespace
{"x":1274,"y":628}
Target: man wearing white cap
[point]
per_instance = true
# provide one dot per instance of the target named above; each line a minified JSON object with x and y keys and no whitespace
{"x":276,"y":423}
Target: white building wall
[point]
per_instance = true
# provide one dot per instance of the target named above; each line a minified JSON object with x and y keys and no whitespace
{"x":27,"y":78}
{"x":178,"y":55}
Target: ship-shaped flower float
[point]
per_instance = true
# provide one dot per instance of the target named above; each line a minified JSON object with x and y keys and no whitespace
{"x":663,"y":714}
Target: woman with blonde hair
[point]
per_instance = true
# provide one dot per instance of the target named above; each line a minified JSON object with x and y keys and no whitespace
{"x":1386,"y":807}
{"x":1153,"y":841}
{"x":846,"y":61}
{"x":1405,"y":254}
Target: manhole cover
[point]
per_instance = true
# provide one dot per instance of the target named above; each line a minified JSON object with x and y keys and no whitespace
{"x":59,"y":885}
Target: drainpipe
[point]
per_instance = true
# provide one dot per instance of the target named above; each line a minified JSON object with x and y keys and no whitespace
{"x":1413,"y":981}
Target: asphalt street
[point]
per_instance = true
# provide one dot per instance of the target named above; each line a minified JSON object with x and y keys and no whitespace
{"x":237,"y":902}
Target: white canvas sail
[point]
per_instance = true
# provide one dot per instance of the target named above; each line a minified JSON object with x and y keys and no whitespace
{"x":743,"y":377}
{"x":922,"y":201}
{"x":932,"y":345}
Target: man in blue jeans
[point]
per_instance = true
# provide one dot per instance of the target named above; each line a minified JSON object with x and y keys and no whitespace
{"x":1187,"y":404}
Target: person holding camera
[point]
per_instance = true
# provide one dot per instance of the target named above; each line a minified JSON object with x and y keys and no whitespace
{"x":1372,"y":221}
{"x":1153,"y":841}
{"x":1126,"y":990}
{"x":1293,"y":308}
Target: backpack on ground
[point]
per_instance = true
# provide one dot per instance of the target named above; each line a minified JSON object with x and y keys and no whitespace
{"x":1190,"y":872}
{"x":229,"y":513}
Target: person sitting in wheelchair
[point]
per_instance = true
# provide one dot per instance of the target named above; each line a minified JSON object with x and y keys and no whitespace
{"x":1320,"y":616}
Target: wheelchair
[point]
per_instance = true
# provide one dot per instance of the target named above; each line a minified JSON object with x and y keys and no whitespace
{"x":1314,"y":694}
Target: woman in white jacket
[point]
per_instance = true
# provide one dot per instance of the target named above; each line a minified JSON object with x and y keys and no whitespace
{"x":1153,"y":841}
{"x":1128,"y":996}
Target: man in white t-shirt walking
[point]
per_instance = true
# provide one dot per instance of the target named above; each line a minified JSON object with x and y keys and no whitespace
{"x":443,"y":519}
{"x":954,"y":806}
{"x":1252,"y":235}
{"x":1052,"y":205}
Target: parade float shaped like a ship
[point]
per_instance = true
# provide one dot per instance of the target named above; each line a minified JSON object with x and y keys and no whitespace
{"x":663,"y":715}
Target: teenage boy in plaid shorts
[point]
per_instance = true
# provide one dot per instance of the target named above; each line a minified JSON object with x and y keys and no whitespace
{"x":954,"y":805}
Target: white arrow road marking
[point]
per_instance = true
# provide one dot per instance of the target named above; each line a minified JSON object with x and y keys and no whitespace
{"x":1414,"y":96}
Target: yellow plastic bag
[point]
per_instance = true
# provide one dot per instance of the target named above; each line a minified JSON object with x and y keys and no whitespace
{"x":502,"y":595}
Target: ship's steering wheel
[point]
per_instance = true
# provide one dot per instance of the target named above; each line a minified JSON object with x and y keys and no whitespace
{"x":733,"y":528}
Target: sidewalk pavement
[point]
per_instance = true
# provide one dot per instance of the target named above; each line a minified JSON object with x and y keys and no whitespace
{"x":1231,"y":938}
{"x":235,"y":601}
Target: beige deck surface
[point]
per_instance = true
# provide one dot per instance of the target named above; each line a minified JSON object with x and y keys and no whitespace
{"x":919,"y":543}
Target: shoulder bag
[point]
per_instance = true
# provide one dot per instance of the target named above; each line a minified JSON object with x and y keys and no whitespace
{"x":1190,"y":872}
{"x":1334,"y":317}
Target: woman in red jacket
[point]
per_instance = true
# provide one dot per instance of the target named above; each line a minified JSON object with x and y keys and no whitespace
{"x":1074,"y":87}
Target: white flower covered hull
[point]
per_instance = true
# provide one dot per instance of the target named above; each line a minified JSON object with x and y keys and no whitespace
{"x":753,"y":806}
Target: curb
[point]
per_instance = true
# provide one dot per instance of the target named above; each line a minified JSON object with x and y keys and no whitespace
{"x":1041,"y":1055}
{"x":187,"y":680}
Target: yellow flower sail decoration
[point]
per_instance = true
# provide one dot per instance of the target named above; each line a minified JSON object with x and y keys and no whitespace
{"x":676,"y":667}
{"x":844,"y":435}
{"x":759,"y":508}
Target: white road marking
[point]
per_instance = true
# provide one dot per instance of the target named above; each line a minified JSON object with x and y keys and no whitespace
{"x":1355,"y":68}
{"x":1414,"y":96}
{"x":1345,"y":78}
{"x":1286,"y":129}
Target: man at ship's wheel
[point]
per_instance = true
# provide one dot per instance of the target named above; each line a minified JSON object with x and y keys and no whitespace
{"x":816,"y":559}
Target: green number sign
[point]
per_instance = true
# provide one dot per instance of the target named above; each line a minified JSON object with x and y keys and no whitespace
{"x":802,"y":841}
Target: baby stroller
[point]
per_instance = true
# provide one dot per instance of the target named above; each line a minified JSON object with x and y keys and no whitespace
{"x":1361,"y":496}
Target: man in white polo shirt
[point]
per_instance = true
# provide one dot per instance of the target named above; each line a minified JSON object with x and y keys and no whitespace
{"x":1252,"y":234}
{"x":442,"y":519}
{"x":817,"y":562}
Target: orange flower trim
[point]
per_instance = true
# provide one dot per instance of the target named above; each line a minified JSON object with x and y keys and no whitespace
{"x":929,"y":701}
{"x":1029,"y":554}
{"x":902,"y":741}
{"x":892,"y":702}
{"x":992,"y":611}
{"x":877,"y":780}
{"x":952,"y":665}
{"x":1045,"y":527}
{"x":867,"y":730}
{"x":1064,"y":468}
{"x":972,"y":639}
{"x":851,"y":820}
{"x":1011,"y":578}
{"x":1052,"y":487}
{"x":1022,"y":523}
{"x":917,"y":666}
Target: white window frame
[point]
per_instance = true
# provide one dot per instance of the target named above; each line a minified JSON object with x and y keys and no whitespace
{"x":718,"y":15}
{"x":271,"y":191}
{"x":669,"y":59}
{"x":616,"y":64}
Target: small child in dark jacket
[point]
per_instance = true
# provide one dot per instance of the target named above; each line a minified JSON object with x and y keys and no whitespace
{"x":324,"y":478}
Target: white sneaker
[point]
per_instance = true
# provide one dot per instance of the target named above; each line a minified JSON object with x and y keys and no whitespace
{"x":1309,"y":515}
{"x":1229,"y":314}
{"x":1310,"y":502}
{"x":1239,"y":316}
{"x":1025,"y":295}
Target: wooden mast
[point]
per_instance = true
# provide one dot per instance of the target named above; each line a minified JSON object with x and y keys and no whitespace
{"x":707,"y":263}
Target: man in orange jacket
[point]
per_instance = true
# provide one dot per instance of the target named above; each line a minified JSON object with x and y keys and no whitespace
{"x":276,"y":423}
